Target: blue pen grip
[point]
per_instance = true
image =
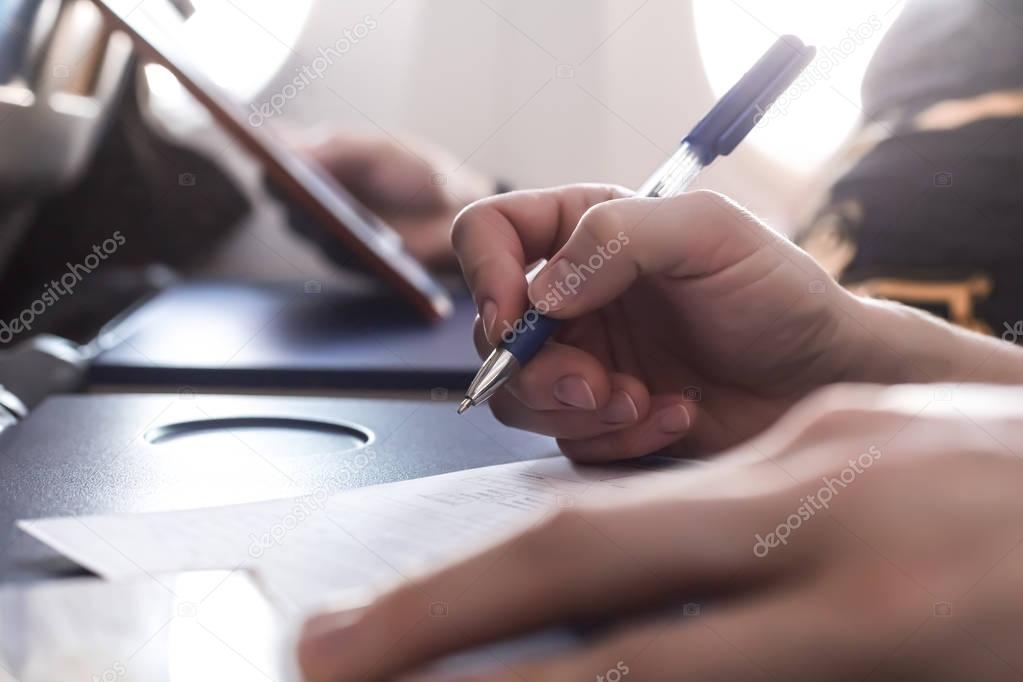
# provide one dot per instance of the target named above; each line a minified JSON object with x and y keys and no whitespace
{"x":529,"y":334}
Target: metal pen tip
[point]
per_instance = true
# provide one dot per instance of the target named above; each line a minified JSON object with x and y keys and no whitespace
{"x":464,"y":405}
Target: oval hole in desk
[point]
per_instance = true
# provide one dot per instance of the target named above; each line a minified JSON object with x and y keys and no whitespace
{"x":297,"y":434}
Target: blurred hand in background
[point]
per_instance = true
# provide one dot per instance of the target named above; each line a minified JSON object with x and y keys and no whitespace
{"x":416,"y":187}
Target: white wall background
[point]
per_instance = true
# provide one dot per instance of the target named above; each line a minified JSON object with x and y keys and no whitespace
{"x":538,"y":92}
{"x":481,"y":77}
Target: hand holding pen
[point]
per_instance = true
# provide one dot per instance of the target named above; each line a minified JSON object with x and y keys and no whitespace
{"x":679,"y":319}
{"x":719,"y":133}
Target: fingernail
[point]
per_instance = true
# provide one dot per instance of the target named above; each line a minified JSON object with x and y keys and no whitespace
{"x":554,"y":285}
{"x":489,"y":316}
{"x":575,"y":392}
{"x":621,"y":409}
{"x":674,"y":419}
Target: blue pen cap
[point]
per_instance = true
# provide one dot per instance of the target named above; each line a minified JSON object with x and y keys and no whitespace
{"x":739,"y":111}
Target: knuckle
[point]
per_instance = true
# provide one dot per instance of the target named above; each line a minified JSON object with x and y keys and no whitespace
{"x":525,"y":396}
{"x":582,"y":452}
{"x":830,"y":422}
{"x":715,"y":208}
{"x":827,"y":397}
{"x":833,"y":409}
{"x":395,"y":609}
{"x":530,"y":387}
{"x":470,"y":220}
{"x":843,"y":396}
{"x":463,"y":225}
{"x":590,"y":195}
{"x":706,"y":200}
{"x":602,"y":223}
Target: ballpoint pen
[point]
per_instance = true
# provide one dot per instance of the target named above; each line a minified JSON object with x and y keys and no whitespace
{"x":717,"y":134}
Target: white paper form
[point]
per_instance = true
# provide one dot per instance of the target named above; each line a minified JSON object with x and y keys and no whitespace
{"x":309,"y":548}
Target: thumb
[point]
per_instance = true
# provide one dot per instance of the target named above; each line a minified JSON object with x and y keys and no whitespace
{"x":619,"y":241}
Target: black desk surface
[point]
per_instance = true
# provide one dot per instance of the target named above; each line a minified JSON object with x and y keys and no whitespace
{"x":93,"y":454}
{"x":230,"y":334}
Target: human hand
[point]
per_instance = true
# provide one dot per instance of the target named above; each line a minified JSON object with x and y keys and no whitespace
{"x":872,"y":533}
{"x":689,"y":321}
{"x":409,"y":184}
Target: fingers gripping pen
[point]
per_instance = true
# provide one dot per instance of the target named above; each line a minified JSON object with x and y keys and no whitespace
{"x":717,"y":134}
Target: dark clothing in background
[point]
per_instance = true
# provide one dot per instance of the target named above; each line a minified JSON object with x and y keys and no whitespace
{"x":945,"y":49}
{"x":928,"y":211}
{"x":170,"y":206}
{"x":931,"y":210}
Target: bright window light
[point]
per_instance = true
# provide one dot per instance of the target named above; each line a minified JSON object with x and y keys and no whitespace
{"x":239,"y":45}
{"x":813,"y":119}
{"x":242,"y":45}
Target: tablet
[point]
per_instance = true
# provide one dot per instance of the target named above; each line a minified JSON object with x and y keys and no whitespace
{"x":155,"y":27}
